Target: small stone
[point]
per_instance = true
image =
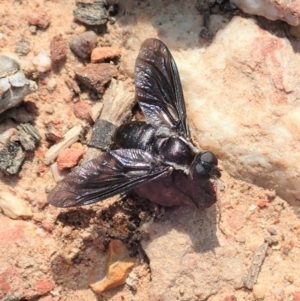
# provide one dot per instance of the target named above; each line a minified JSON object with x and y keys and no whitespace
{"x":91,"y":12}
{"x":69,"y":158}
{"x":58,"y":50}
{"x":96,"y":76}
{"x":272,"y":231}
{"x":83,"y":110}
{"x":101,"y":54}
{"x":33,"y":29}
{"x":13,"y":206}
{"x":103,"y":132}
{"x":83,"y":44}
{"x":51,"y":85}
{"x":14,"y":86}
{"x":38,"y":18}
{"x":70,"y":137}
{"x":119,"y":264}
{"x":42,"y":62}
{"x":11,"y":158}
{"x":259,"y":291}
{"x":263,"y":203}
{"x":22,"y":47}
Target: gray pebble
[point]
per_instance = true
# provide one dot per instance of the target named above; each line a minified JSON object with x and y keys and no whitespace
{"x":103,"y":132}
{"x":11,"y":158}
{"x":83,"y":44}
{"x":22,"y":47}
{"x":93,"y":13}
{"x":14,"y":86}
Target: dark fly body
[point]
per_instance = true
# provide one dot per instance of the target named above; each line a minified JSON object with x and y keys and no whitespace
{"x":147,"y":151}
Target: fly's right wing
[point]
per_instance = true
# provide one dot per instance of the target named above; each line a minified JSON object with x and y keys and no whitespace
{"x":107,"y":175}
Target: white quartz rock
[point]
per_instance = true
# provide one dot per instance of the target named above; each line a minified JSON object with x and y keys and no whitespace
{"x":245,"y":105}
{"x":13,"y":206}
{"x":288,"y":11}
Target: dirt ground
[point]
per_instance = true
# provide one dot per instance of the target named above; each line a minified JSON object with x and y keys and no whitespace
{"x":51,"y":254}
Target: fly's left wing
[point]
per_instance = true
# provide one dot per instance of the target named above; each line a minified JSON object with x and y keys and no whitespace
{"x":158,"y":88}
{"x":107,"y":175}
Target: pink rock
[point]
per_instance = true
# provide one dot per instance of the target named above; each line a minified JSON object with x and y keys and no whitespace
{"x":44,"y":286}
{"x":100,"y":54}
{"x":69,"y":157}
{"x":83,"y":110}
{"x":39,"y":18}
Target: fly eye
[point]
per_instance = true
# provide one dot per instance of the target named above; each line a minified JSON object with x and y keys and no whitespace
{"x":209,"y":157}
{"x":199,"y":173}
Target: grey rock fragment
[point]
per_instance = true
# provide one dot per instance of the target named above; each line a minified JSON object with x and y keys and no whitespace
{"x":83,"y":44}
{"x":22,"y":47}
{"x":91,"y":12}
{"x":102,"y":134}
{"x":28,"y":136}
{"x":11,"y":158}
{"x":14,"y":86}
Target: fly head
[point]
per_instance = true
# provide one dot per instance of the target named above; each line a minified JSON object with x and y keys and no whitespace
{"x":204,"y":167}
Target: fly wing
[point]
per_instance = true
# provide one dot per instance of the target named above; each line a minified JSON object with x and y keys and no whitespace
{"x":158,"y":87}
{"x":107,"y":175}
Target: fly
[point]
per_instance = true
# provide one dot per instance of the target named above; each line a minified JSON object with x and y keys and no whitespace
{"x":147,"y":151}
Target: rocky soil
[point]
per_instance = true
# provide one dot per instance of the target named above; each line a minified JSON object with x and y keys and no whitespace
{"x":65,"y":87}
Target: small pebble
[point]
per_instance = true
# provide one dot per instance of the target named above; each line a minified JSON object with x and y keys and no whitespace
{"x":33,"y":29}
{"x":83,"y":44}
{"x":259,"y":291}
{"x":58,"y":50}
{"x":13,"y":206}
{"x":69,"y":158}
{"x":51,"y":85}
{"x":91,"y":12}
{"x":96,"y":76}
{"x":22,"y":47}
{"x":38,"y":18}
{"x":42,"y":62}
{"x":83,"y":110}
{"x":101,"y":54}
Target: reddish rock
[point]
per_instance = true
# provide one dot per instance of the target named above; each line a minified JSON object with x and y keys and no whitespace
{"x":58,"y":50}
{"x":39,"y":18}
{"x":296,"y":296}
{"x":263,"y":203}
{"x":83,"y":110}
{"x":100,"y":54}
{"x":96,"y":76}
{"x":69,"y":157}
{"x":44,"y":286}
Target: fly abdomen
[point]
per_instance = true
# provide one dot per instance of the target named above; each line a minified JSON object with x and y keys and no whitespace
{"x":135,"y":134}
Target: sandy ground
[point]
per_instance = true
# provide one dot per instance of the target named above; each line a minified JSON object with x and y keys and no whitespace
{"x":51,"y":255}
